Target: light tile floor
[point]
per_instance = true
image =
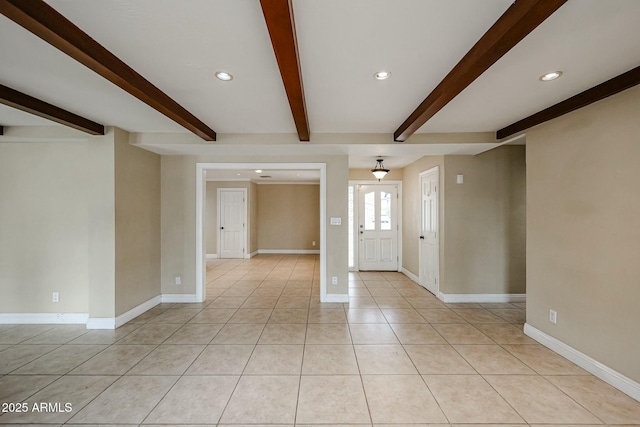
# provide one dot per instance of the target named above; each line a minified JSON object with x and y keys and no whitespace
{"x":263,"y":351}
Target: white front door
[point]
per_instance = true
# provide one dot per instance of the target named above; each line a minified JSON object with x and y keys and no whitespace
{"x":378,"y":227}
{"x":429,"y":233}
{"x":232,"y":219}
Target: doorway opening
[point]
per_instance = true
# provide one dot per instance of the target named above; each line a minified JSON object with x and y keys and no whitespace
{"x":201,"y":169}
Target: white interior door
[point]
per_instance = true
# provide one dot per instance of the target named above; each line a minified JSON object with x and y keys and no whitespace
{"x":429,"y":233}
{"x":232,"y":213}
{"x":378,"y":227}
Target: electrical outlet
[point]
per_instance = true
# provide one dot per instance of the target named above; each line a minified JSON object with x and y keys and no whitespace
{"x":334,"y":280}
{"x":178,"y":280}
{"x":313,"y":243}
{"x":56,"y":297}
{"x":553,"y":316}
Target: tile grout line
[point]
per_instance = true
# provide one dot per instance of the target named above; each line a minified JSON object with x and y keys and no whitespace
{"x":244,"y":368}
{"x":416,"y":368}
{"x":137,"y":363}
{"x":304,"y":349}
{"x":495,"y":341}
{"x":364,"y":391}
{"x":173,"y":385}
{"x":481,"y":375}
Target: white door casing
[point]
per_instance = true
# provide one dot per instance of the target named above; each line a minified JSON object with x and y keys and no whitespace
{"x":200,"y":196}
{"x":232,"y":219}
{"x":377,"y":228}
{"x":429,"y":255}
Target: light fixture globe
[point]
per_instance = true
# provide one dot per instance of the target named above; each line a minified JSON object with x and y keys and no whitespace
{"x":379,"y":170}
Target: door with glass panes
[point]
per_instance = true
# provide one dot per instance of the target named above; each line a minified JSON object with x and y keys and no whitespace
{"x":378,"y":227}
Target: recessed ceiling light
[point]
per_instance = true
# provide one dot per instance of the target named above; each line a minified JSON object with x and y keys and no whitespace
{"x":258,"y":170}
{"x":382,"y":75}
{"x":550,"y":76}
{"x":224,"y":76}
{"x":238,"y":174}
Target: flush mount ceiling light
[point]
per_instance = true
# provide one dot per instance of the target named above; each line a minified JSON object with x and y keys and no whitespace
{"x":224,"y":76}
{"x":382,"y":75}
{"x":258,"y":170}
{"x":379,"y":170}
{"x":550,"y":76}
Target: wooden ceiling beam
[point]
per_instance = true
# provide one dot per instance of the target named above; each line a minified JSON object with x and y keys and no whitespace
{"x":610,"y":87}
{"x":278,"y":15}
{"x":522,"y":17}
{"x":46,"y":23}
{"x":29,"y":104}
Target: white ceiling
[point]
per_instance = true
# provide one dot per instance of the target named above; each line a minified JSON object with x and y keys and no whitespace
{"x":179,"y":44}
{"x":360,"y":156}
{"x":266,"y":176}
{"x":342,"y":43}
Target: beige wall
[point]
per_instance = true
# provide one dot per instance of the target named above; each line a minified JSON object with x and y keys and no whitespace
{"x":177,"y":182}
{"x":289,"y":216}
{"x":178,"y":216}
{"x":137,"y":240}
{"x":211,"y":213}
{"x":583,"y":230}
{"x":485,"y":223}
{"x":45,"y":228}
{"x":56,"y":225}
{"x":253,"y":217}
{"x":482,"y":221}
{"x":102,"y":226}
{"x":81,"y":218}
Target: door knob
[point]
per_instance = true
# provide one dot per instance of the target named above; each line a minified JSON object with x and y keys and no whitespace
{"x":221,"y":228}
{"x":422,"y":237}
{"x":361,"y":232}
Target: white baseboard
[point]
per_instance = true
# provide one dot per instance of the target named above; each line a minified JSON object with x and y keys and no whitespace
{"x":179,"y":298}
{"x":137,"y":311}
{"x":43,"y":318}
{"x":470,"y":298}
{"x":605,"y":373}
{"x":480,"y":298}
{"x":251,"y":255}
{"x":116,"y":322}
{"x":288,"y":251}
{"x":94,"y":322}
{"x":410,"y":275}
{"x":212,"y":256}
{"x":343,"y":298}
{"x":101,"y":323}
